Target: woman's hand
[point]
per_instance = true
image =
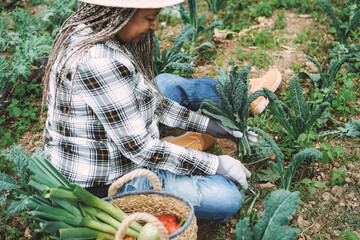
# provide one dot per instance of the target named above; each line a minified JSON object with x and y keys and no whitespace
{"x":233,"y":169}
{"x":217,"y":130}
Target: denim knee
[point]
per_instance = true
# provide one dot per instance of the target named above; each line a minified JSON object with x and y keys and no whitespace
{"x":220,"y":199}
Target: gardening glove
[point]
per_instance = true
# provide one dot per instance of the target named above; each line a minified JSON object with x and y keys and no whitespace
{"x":216,"y":129}
{"x":233,"y":169}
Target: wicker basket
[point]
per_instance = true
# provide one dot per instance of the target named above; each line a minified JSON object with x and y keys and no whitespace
{"x":153,"y":203}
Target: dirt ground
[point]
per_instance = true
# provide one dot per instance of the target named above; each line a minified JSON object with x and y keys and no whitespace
{"x":328,"y":211}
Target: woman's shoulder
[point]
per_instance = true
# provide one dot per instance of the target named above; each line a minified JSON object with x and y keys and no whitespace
{"x":107,"y":52}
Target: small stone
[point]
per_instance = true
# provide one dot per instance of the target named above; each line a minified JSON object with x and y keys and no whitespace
{"x":317,"y":226}
{"x":350,"y":166}
{"x":326,"y":196}
{"x":336,"y":164}
{"x":302,"y":223}
{"x":337,"y":191}
{"x":266,"y":185}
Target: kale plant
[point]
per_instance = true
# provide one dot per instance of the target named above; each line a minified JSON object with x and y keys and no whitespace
{"x":27,"y":41}
{"x":325,"y":79}
{"x":191,"y":17}
{"x":174,"y":59}
{"x":234,"y":110}
{"x":216,"y":6}
{"x":351,"y":129}
{"x":273,"y":221}
{"x":287,"y":174}
{"x":343,"y":31}
{"x":15,"y":191}
{"x":302,"y":120}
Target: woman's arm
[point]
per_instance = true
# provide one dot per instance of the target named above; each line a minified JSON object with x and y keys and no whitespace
{"x":107,"y":86}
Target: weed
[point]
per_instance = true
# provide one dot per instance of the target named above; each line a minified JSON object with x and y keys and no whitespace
{"x":348,"y":235}
{"x":217,"y":150}
{"x":330,"y":152}
{"x":22,"y":112}
{"x":280,"y":22}
{"x":312,"y":184}
{"x":338,"y":176}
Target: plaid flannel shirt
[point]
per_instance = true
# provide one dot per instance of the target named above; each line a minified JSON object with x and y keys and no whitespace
{"x":112,"y":127}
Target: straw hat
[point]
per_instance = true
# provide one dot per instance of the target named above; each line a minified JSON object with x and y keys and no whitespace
{"x":134,"y":3}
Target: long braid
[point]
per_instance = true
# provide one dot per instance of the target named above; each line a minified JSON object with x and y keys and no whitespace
{"x":104,"y":22}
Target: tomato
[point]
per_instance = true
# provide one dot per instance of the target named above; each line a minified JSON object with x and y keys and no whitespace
{"x":172,"y":227}
{"x":129,"y":238}
{"x":166,"y":218}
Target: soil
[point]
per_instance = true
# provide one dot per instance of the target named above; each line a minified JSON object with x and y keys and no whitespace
{"x":322,"y":215}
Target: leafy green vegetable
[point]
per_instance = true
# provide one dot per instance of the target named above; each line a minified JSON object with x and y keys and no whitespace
{"x":351,"y":129}
{"x":174,"y":59}
{"x":287,"y":174}
{"x":216,"y":5}
{"x":259,"y":151}
{"x":342,"y":31}
{"x":16,"y":192}
{"x":234,"y":110}
{"x":301,"y":121}
{"x":59,"y":207}
{"x":279,"y":207}
{"x":191,"y":17}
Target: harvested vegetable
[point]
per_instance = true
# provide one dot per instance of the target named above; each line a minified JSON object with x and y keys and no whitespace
{"x":172,"y":227}
{"x":68,"y":211}
{"x":234,"y":110}
{"x":170,"y":222}
{"x":167,"y":218}
{"x":149,"y":232}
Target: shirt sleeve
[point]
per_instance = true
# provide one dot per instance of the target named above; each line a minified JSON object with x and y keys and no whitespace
{"x":177,"y":116}
{"x":107,"y":87}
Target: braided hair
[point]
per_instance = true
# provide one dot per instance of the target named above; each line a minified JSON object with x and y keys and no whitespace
{"x":104,"y":22}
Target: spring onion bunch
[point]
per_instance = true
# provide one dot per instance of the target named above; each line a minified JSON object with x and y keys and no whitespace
{"x":68,"y":211}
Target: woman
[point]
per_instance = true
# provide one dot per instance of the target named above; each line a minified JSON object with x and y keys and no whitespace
{"x":104,"y":112}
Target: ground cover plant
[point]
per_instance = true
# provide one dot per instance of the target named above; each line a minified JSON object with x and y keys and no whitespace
{"x":318,"y":166}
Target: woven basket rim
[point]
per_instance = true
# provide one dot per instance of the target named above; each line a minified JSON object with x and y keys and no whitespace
{"x":166,"y":194}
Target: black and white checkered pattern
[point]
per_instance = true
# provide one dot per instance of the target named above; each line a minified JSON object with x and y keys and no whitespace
{"x":112,"y":127}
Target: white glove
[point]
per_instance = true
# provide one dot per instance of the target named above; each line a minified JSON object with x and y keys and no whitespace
{"x":216,"y":129}
{"x":233,"y":169}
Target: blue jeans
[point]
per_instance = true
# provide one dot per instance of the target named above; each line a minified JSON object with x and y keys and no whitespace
{"x":214,"y":197}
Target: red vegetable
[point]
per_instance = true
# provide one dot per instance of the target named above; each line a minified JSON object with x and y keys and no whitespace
{"x":129,"y":238}
{"x":166,"y":218}
{"x":172,"y":227}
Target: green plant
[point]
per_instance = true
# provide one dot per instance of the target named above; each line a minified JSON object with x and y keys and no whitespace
{"x":280,"y":22}
{"x":287,"y":174}
{"x":27,"y":43}
{"x":174,"y":59}
{"x":279,"y":207}
{"x":15,"y":192}
{"x":56,"y":12}
{"x":22,"y":111}
{"x":264,"y":8}
{"x":330,"y":152}
{"x":324,"y":80}
{"x":345,"y":100}
{"x":348,"y":235}
{"x":343,"y":31}
{"x":234,"y":110}
{"x":351,"y":129}
{"x":216,"y":6}
{"x":338,"y":176}
{"x":191,"y":17}
{"x":302,"y":120}
{"x":312,"y":184}
{"x":61,"y":208}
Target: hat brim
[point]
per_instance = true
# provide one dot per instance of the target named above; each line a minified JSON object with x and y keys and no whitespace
{"x":134,"y":3}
